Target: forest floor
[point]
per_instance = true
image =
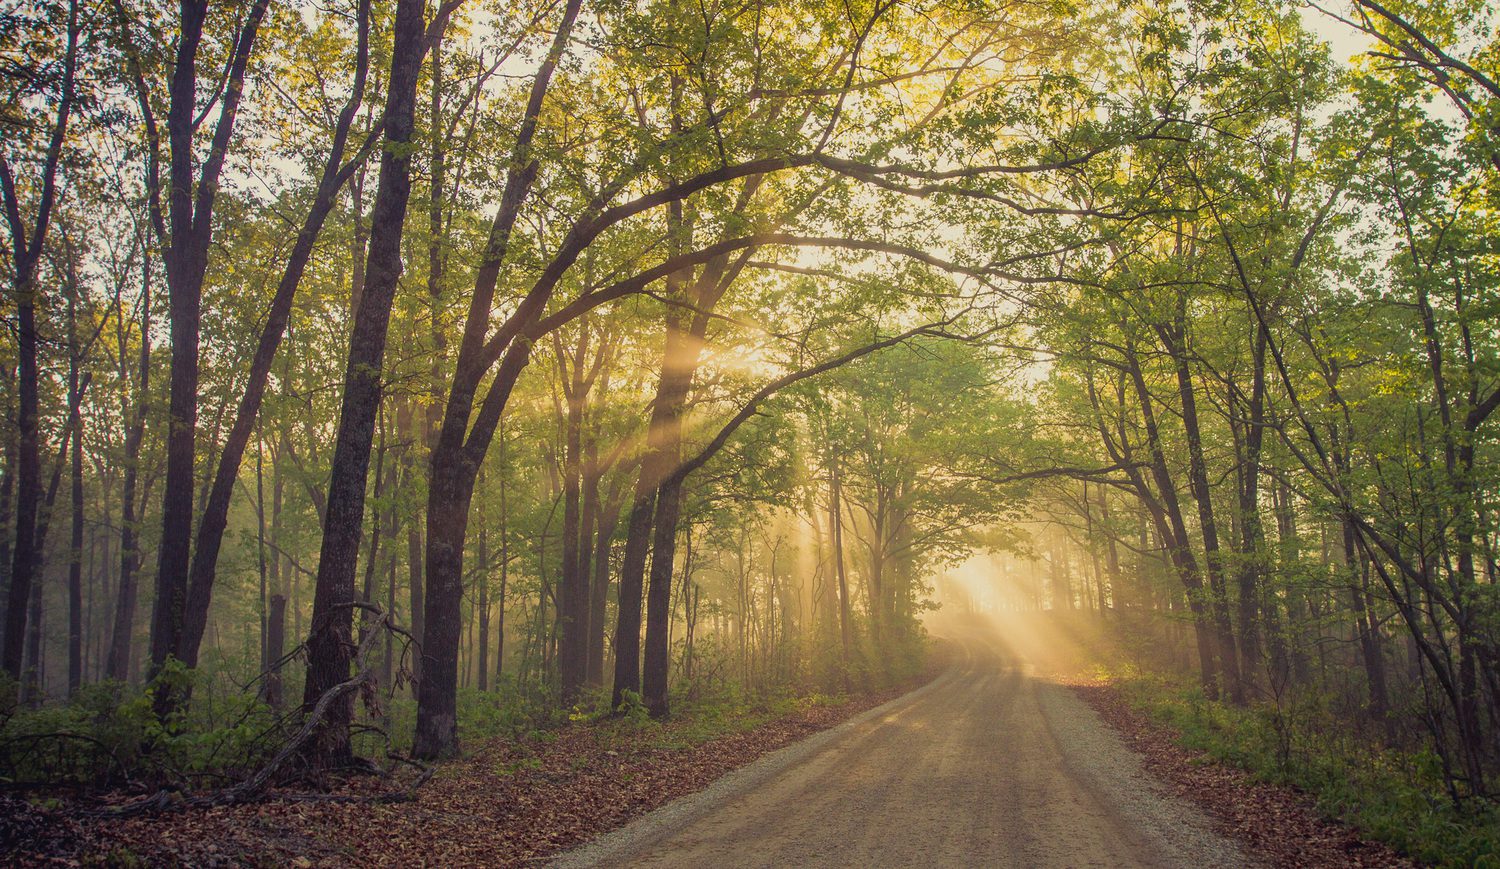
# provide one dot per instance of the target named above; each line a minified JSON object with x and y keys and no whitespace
{"x":510,"y":803}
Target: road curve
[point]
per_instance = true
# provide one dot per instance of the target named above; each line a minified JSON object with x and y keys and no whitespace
{"x":988,"y":765}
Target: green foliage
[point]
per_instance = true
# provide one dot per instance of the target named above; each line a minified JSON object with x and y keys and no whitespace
{"x":632,"y":710}
{"x":511,"y":711}
{"x":108,"y":735}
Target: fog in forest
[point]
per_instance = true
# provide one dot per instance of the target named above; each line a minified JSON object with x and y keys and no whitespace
{"x":531,"y":405}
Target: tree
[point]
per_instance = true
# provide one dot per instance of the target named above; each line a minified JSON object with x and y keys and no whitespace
{"x":27,"y":246}
{"x":329,"y":641}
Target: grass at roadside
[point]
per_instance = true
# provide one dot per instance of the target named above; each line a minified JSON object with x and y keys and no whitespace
{"x":1389,"y":795}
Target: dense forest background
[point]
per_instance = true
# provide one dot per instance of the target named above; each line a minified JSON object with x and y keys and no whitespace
{"x":382,"y":372}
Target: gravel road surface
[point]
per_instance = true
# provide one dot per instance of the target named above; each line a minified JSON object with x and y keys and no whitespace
{"x":987,"y":765}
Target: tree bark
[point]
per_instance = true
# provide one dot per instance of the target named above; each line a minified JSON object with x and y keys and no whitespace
{"x":456,"y":453}
{"x":117,"y":665}
{"x":1164,"y":509}
{"x":573,"y":589}
{"x":484,"y":609}
{"x":1252,"y":532}
{"x":662,"y":435}
{"x":606,"y":518}
{"x":32,"y":684}
{"x":191,"y":195}
{"x":26,"y":251}
{"x":836,"y":531}
{"x":329,"y":642}
{"x":75,"y":542}
{"x":656,"y":672}
{"x":1175,"y":337}
{"x":271,"y":690}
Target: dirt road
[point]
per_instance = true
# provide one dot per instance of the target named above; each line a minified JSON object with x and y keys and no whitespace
{"x":988,"y":765}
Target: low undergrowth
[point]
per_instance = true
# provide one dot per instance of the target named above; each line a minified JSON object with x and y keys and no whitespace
{"x":108,"y":736}
{"x":527,"y":792}
{"x":1394,"y":796}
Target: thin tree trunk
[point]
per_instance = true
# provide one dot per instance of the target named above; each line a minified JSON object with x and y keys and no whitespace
{"x":32,"y":685}
{"x":264,"y":605}
{"x":75,"y":541}
{"x":117,"y":666}
{"x":484,"y":608}
{"x":836,"y":529}
{"x":573,"y":588}
{"x":7,"y":518}
{"x":271,"y":689}
{"x":416,"y":589}
{"x":1166,"y":514}
{"x":1207,"y":524}
{"x":458,"y":451}
{"x":1252,"y":534}
{"x":504,"y":582}
{"x":388,"y":662}
{"x":608,"y":519}
{"x":26,"y":250}
{"x":1365,"y":627}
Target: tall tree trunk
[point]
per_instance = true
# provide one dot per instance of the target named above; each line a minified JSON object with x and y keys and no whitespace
{"x":1166,"y":514}
{"x":26,"y":248}
{"x":1252,"y":546}
{"x":458,"y":451}
{"x":1289,"y":546}
{"x":372,"y":556}
{"x":329,"y":641}
{"x":836,"y":530}
{"x":655,"y":674}
{"x":504,"y":582}
{"x":271,"y":690}
{"x":75,"y":541}
{"x":34,"y":680}
{"x":416,"y":589}
{"x":117,"y":666}
{"x":32,"y":684}
{"x":627,"y":675}
{"x":681,"y":352}
{"x":484,"y":608}
{"x":215,"y":515}
{"x":191,"y":195}
{"x":24,"y":554}
{"x":388,"y":659}
{"x":606,"y":518}
{"x":450,"y":491}
{"x":662,"y":434}
{"x":1365,"y":627}
{"x":573,"y":589}
{"x":7,"y":528}
{"x":1176,"y":339}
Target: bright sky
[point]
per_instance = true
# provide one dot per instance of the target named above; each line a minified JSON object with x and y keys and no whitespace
{"x":1344,"y":40}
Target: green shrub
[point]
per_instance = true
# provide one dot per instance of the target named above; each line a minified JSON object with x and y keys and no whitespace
{"x":109,"y":735}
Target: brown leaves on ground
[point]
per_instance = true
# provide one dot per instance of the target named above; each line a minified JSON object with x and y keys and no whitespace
{"x":1279,"y":825}
{"x":509,"y":804}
